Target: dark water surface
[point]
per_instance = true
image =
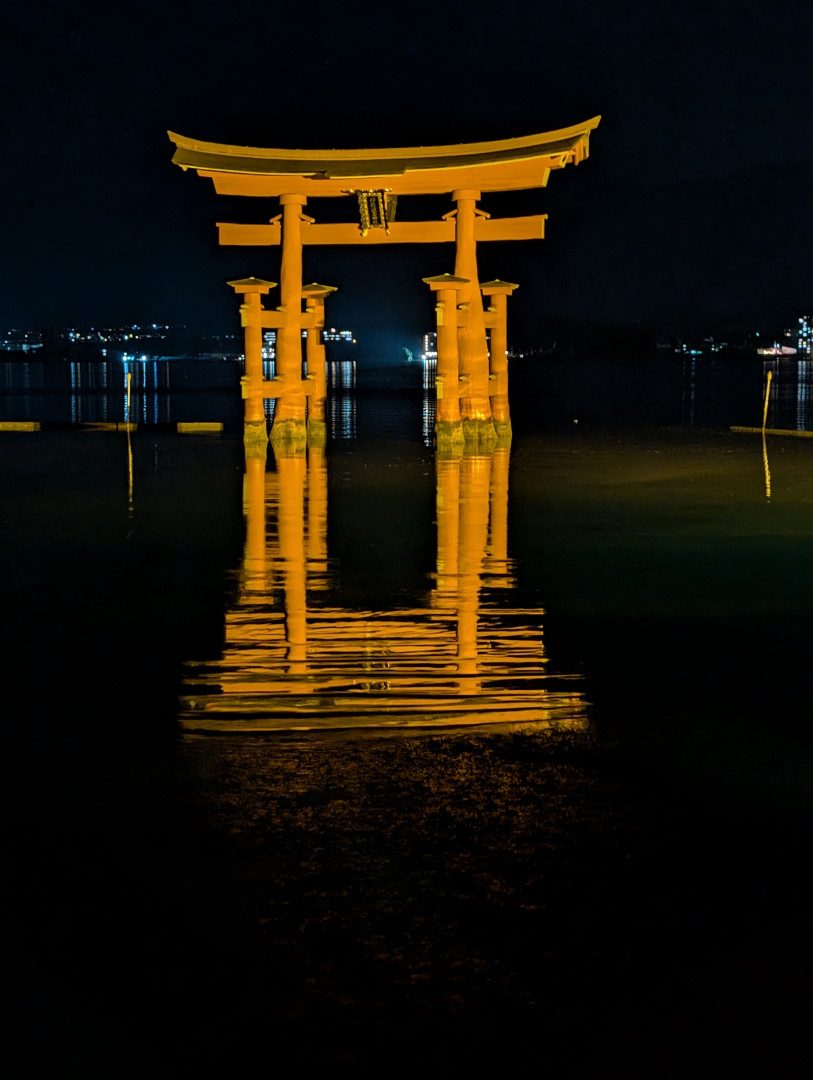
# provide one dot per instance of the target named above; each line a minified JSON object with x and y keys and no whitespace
{"x":375,"y":761}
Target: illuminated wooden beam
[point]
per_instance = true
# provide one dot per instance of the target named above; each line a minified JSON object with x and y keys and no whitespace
{"x":249,"y":235}
{"x":503,"y":177}
{"x":252,"y":289}
{"x":400,"y":232}
{"x":277,"y":318}
{"x":501,"y":165}
{"x":275,"y":388}
{"x":520,"y":228}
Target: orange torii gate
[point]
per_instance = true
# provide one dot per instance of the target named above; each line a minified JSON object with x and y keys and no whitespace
{"x":472,"y":388}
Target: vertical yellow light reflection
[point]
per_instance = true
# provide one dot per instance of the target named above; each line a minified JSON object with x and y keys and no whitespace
{"x":475,"y":476}
{"x":498,"y":525}
{"x":129,"y":451}
{"x":291,"y":474}
{"x":255,"y":560}
{"x":764,"y":443}
{"x":447,"y":510}
{"x":461,"y":659}
{"x":317,"y":514}
{"x":767,"y":467}
{"x":767,"y":401}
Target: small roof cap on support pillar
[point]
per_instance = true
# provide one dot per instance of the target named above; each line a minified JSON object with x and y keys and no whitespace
{"x":315,"y":289}
{"x":252,"y":285}
{"x":445,"y":281}
{"x":497,"y":287}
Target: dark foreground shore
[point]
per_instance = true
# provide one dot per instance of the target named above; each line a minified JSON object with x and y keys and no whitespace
{"x":447,"y":903}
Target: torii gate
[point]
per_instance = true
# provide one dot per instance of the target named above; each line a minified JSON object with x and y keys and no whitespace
{"x":472,"y":388}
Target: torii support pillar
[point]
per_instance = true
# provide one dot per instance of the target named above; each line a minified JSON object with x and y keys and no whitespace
{"x":314,"y":297}
{"x":448,"y":422}
{"x":255,"y":434}
{"x":496,"y":320}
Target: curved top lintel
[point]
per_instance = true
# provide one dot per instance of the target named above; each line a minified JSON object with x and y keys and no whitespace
{"x":412,"y":153}
{"x":221,"y":157}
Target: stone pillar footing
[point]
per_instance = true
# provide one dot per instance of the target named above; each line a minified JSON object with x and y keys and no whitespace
{"x":449,"y":434}
{"x":255,"y":438}
{"x":316,"y":432}
{"x":503,"y":430}
{"x":289,"y":434}
{"x":479,"y":433}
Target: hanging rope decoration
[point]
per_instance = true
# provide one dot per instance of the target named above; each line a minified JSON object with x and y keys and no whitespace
{"x":376,"y":210}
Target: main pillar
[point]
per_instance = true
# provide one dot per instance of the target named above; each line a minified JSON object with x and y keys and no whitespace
{"x":475,"y":404}
{"x":289,"y":415}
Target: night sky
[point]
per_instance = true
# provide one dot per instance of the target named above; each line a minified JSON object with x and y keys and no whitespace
{"x":692,"y":215}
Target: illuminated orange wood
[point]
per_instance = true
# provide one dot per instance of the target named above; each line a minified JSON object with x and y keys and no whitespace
{"x":275,"y":388}
{"x":249,"y":235}
{"x":278,"y":317}
{"x":400,"y":232}
{"x":289,"y":415}
{"x":521,"y":228}
{"x":498,"y":293}
{"x":375,"y":175}
{"x":448,"y":426}
{"x":314,"y":296}
{"x":475,"y":406}
{"x":501,"y":165}
{"x":252,"y":289}
{"x":502,"y":177}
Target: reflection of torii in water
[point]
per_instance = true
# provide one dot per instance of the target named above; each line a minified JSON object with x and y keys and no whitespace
{"x":472,"y":492}
{"x":451,"y":663}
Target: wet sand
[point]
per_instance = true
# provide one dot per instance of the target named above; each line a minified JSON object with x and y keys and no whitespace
{"x":448,"y":903}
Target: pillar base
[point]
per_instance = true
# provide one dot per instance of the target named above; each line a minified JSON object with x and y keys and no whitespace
{"x":255,"y":438}
{"x":289,"y":434}
{"x":479,"y":433}
{"x":449,"y":434}
{"x":503,"y":430}
{"x":316,"y":432}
